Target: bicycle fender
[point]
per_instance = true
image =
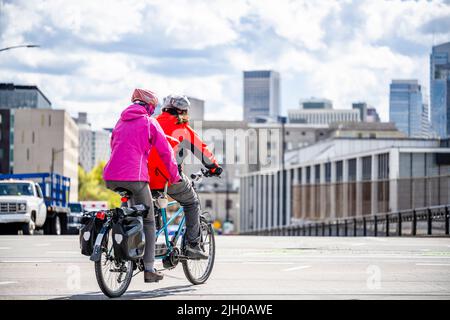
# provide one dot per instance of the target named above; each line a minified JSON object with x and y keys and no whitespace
{"x":97,"y":251}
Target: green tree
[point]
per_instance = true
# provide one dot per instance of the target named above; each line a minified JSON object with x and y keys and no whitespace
{"x":91,"y":186}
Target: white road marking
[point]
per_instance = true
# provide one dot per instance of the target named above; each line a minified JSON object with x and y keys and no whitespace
{"x":433,"y":264}
{"x":5,"y":248}
{"x":296,"y":268}
{"x":377,"y":239}
{"x":266,"y":262}
{"x":7,"y":282}
{"x":25,"y":261}
{"x":63,"y":252}
{"x":42,"y":244}
{"x":359,"y":244}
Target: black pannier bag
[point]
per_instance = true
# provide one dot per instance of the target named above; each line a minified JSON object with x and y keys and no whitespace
{"x":128,"y":234}
{"x":88,"y":232}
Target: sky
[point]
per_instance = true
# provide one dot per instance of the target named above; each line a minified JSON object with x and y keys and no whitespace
{"x":94,"y":53}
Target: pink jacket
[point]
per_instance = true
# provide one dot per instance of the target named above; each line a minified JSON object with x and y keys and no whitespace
{"x":132,"y":138}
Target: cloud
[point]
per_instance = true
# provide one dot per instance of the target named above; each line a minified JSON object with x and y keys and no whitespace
{"x":93,"y":53}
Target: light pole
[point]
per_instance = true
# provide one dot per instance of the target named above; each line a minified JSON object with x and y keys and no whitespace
{"x":21,"y":46}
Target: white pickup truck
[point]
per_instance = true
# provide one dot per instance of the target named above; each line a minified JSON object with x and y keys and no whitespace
{"x":22,"y":206}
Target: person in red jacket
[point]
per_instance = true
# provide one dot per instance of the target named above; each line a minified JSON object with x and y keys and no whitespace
{"x":174,"y":120}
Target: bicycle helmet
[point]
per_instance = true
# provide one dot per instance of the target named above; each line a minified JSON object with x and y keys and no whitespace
{"x":146,"y":98}
{"x":178,"y":102}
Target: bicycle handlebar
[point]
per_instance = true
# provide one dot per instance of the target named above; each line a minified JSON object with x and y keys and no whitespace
{"x":200,"y":174}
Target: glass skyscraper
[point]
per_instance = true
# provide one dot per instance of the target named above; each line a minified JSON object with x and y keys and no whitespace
{"x":261,"y":95}
{"x":440,"y":89}
{"x":406,"y":108}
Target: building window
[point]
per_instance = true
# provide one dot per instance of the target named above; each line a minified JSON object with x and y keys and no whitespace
{"x":28,"y":154}
{"x":42,"y":120}
{"x":339,"y":171}
{"x":49,"y":120}
{"x":383,"y":166}
{"x":352,"y":170}
{"x":328,"y":172}
{"x":308,"y":175}
{"x":317,"y":173}
{"x":367,"y":168}
{"x":32,"y":137}
{"x":208,"y":203}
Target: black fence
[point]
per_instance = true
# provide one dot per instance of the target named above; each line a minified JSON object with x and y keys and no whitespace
{"x":416,"y":222}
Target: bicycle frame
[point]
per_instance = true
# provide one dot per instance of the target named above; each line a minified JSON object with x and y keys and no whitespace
{"x":171,"y":243}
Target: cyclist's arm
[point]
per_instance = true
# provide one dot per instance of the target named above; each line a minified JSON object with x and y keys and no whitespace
{"x":159,"y":141}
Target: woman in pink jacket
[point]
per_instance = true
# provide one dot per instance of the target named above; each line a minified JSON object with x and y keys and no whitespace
{"x":132,"y":138}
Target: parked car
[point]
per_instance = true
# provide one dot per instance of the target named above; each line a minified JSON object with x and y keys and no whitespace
{"x":74,"y":219}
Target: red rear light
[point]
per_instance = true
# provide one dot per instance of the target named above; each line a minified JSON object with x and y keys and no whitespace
{"x":124,"y":199}
{"x":100,"y":215}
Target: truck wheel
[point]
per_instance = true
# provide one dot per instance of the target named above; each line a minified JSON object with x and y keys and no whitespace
{"x":48,"y":226}
{"x":56,"y":225}
{"x":28,"y":228}
{"x":63,"y":223}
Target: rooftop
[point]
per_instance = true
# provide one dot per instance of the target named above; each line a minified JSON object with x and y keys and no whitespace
{"x":12,"y":86}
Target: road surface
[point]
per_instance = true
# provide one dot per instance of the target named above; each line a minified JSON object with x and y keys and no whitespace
{"x":247,"y":267}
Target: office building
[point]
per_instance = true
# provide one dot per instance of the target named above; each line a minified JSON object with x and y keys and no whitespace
{"x":6,"y":140}
{"x":261,"y":95}
{"x":372,"y":115}
{"x":94,"y":145}
{"x":21,"y":96}
{"x":197,"y":110}
{"x":440,"y":89}
{"x":346,"y":178}
{"x":362,"y":107}
{"x":316,"y":103}
{"x":46,"y":140}
{"x":322,"y":116}
{"x":406,"y":107}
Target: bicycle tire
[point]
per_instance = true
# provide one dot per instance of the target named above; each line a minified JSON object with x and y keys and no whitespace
{"x":212,"y":252}
{"x":101,"y":280}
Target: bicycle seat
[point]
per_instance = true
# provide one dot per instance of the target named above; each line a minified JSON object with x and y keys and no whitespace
{"x":124,"y":192}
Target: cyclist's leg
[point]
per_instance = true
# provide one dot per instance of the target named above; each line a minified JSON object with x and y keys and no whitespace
{"x":142,"y":195}
{"x":184,"y":193}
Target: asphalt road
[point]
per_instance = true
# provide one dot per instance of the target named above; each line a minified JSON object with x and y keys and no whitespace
{"x":51,"y":267}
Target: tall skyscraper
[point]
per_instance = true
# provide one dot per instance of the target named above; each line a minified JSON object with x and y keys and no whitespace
{"x":407,"y":109}
{"x":261,"y":95}
{"x":440,"y":89}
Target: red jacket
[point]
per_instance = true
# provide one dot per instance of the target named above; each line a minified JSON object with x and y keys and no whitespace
{"x":157,"y":169}
{"x":188,"y":139}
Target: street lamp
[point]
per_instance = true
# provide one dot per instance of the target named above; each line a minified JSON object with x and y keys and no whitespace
{"x":21,"y":46}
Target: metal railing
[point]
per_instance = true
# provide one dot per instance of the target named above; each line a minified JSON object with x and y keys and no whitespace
{"x":415,"y":222}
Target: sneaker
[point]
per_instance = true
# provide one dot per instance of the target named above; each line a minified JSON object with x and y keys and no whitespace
{"x":193,"y":251}
{"x":153,"y":276}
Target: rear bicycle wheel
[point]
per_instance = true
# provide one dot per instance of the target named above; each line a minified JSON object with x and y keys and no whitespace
{"x":113,"y":274}
{"x":198,"y":271}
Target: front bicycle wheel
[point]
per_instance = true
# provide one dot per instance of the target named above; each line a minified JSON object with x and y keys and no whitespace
{"x":198,"y":271}
{"x":113,"y":274}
